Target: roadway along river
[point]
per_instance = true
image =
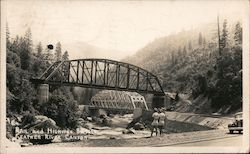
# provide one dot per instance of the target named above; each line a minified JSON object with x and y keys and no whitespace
{"x":198,"y":138}
{"x":231,"y":141}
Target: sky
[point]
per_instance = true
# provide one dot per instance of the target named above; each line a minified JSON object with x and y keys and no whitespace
{"x":124,"y":26}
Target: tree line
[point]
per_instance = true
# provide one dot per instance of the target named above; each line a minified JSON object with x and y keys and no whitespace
{"x":24,"y":60}
{"x":197,"y":63}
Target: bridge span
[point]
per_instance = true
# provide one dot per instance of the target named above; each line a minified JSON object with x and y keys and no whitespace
{"x":100,"y":74}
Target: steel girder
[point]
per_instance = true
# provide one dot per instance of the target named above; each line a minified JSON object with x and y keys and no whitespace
{"x":101,"y":74}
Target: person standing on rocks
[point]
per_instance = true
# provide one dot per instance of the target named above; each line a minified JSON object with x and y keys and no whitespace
{"x":162,"y":118}
{"x":155,"y":122}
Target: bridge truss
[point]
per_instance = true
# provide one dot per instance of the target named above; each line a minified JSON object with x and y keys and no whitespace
{"x":101,"y":74}
{"x":111,"y":99}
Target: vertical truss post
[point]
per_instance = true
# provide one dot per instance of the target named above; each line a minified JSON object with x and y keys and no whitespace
{"x":83,"y":62}
{"x":128,"y":76}
{"x":147,"y":82}
{"x":138,"y":78}
{"x":95,"y":70}
{"x":69,"y":71}
{"x":116,"y":76}
{"x":65,"y":70}
{"x":91,"y":75}
{"x":104,"y":72}
{"x":107,"y":75}
{"x":77,"y":72}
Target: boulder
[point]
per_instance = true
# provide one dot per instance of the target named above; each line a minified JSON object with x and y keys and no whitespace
{"x":57,"y":139}
{"x":139,"y":126}
{"x":41,"y":118}
{"x":14,"y":122}
{"x":97,"y":120}
{"x":106,"y":121}
{"x":101,"y":128}
{"x":40,"y":122}
{"x":80,"y":122}
{"x":92,"y":132}
{"x":44,"y":125}
{"x":26,"y":144}
{"x":89,"y":119}
{"x":112,"y":137}
{"x":111,"y":115}
{"x":88,"y":125}
{"x":128,"y":131}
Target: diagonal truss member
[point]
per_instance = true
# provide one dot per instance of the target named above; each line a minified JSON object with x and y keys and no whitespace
{"x":101,"y":74}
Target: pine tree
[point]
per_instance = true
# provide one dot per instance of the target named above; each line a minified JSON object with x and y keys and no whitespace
{"x":184,"y":51}
{"x":26,"y":49}
{"x":58,"y":52}
{"x":28,"y":39}
{"x":190,"y":46}
{"x":204,"y":42}
{"x":238,"y":34}
{"x":224,"y":36}
{"x":200,"y":39}
{"x":39,"y":49}
{"x":173,"y":59}
{"x":179,"y":53}
{"x":65,"y":56}
{"x":15,"y":45}
{"x":7,"y":36}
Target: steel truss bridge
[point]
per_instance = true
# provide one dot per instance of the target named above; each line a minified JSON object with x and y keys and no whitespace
{"x":118,"y":100}
{"x":101,"y":74}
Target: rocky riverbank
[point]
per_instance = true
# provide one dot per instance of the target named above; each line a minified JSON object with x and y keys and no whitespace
{"x":179,"y":127}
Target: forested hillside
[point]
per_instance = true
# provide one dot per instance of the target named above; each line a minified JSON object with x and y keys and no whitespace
{"x":25,"y":60}
{"x":190,"y":62}
{"x":186,"y":62}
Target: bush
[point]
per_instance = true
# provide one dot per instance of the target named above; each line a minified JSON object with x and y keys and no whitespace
{"x":63,"y":111}
{"x":28,"y":120}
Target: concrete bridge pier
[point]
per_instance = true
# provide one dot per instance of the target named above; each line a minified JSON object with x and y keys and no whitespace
{"x":158,"y":101}
{"x":43,"y":93}
{"x":96,"y":112}
{"x":137,"y":113}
